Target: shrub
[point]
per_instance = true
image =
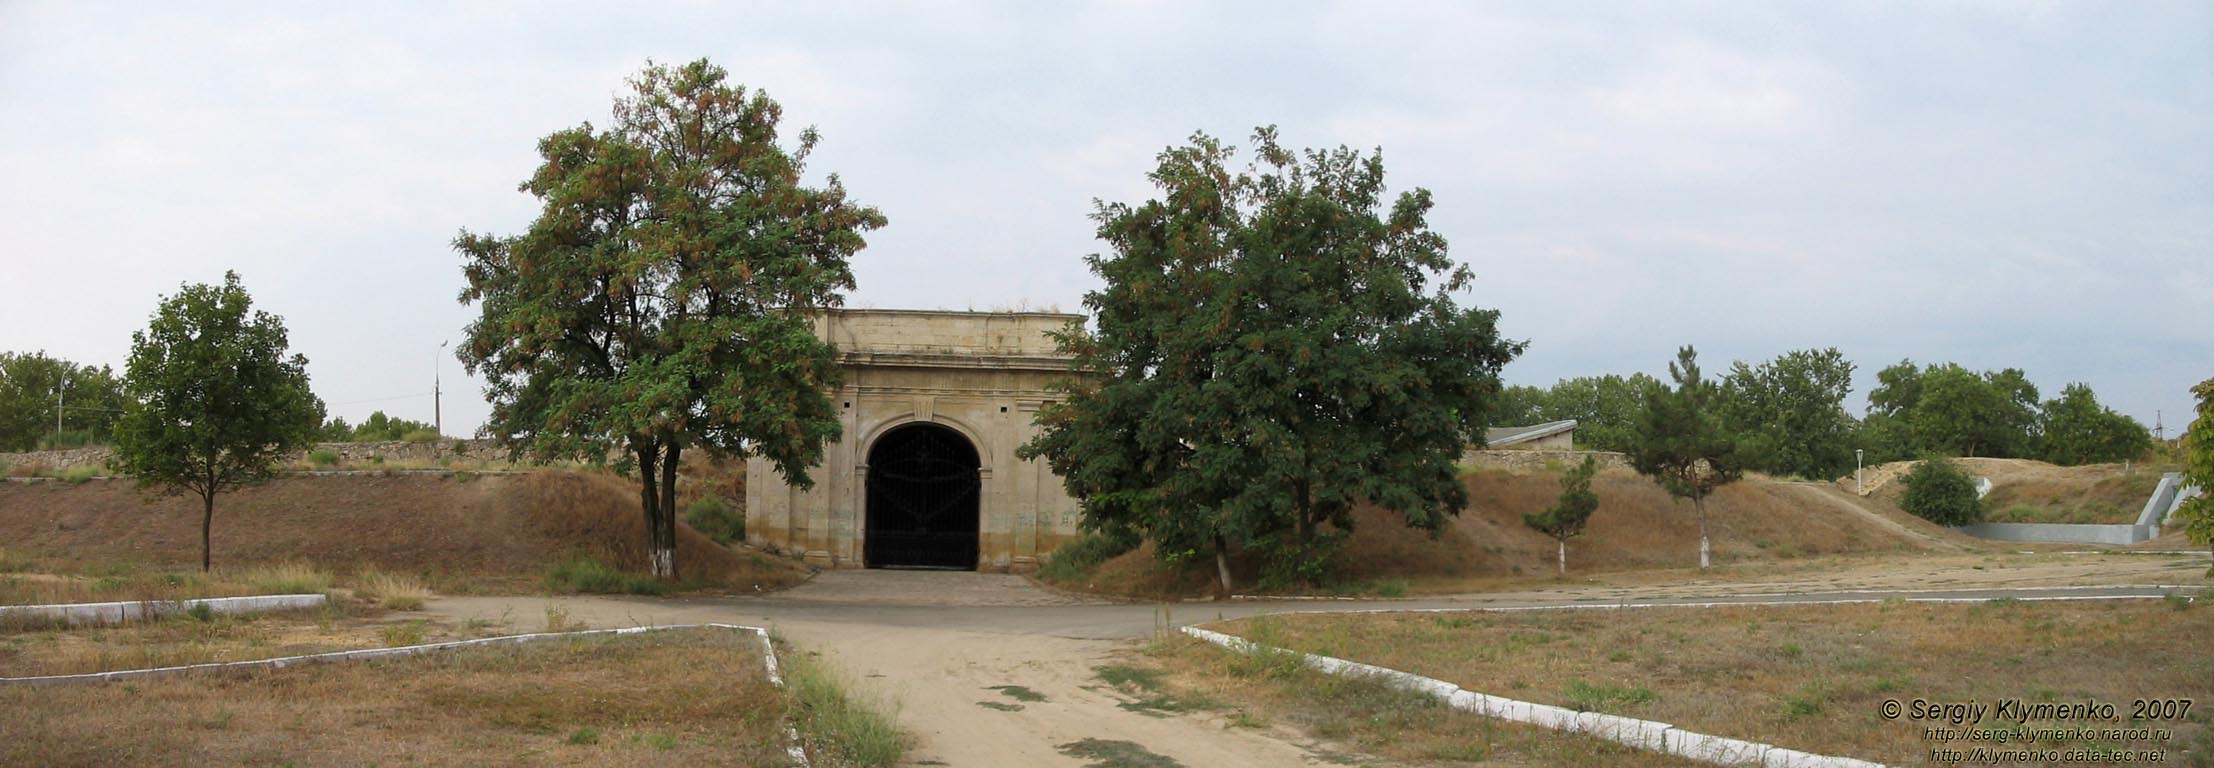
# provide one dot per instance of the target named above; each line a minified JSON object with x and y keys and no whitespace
{"x":421,"y":436}
{"x":584,"y":574}
{"x":1939,"y":491}
{"x":711,"y":516}
{"x":80,"y":473}
{"x":323,"y":457}
{"x":1076,"y":559}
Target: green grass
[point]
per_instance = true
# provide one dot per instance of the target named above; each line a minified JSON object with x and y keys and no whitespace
{"x":1074,"y":561}
{"x":584,"y":574}
{"x":1589,"y":697}
{"x":839,"y":728}
{"x":712,"y":516}
{"x":1116,"y":754}
{"x":323,"y":457}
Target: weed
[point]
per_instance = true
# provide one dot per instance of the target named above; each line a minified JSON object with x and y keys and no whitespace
{"x":1391,"y":588}
{"x":1074,"y":561}
{"x":584,"y":574}
{"x":1807,"y":702}
{"x":80,"y":473}
{"x":201,"y":612}
{"x":712,"y":516}
{"x":323,"y":457}
{"x":404,"y":633}
{"x":660,"y":741}
{"x":2177,"y":600}
{"x":1018,"y":693}
{"x":1793,"y":651}
{"x":1116,"y":754}
{"x":420,"y":436}
{"x":850,"y":730}
{"x":1587,"y":697}
{"x":394,"y":591}
{"x":584,"y":737}
{"x":289,"y":579}
{"x":1001,"y":706}
{"x":1129,"y":677}
{"x":557,"y":619}
{"x":1244,"y":719}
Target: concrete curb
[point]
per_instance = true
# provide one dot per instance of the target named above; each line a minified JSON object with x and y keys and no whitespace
{"x":792,"y":749}
{"x":77,"y":614}
{"x":1632,"y":732}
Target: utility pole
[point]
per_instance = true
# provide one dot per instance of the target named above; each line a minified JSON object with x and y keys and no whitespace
{"x":438,"y":419}
{"x":1857,"y":491}
{"x":61,"y":390}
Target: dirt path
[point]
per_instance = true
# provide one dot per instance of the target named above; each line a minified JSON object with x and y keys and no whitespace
{"x":937,"y":644}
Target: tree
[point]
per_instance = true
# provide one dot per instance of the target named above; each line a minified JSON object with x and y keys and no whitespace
{"x":1605,"y":408}
{"x":1939,"y":491}
{"x":1566,"y":517}
{"x":1272,"y":346}
{"x":381,"y":428}
{"x":2197,"y":514}
{"x":1949,"y":410}
{"x":35,"y":389}
{"x":2075,"y":429}
{"x":663,"y":299}
{"x":214,"y":403}
{"x":1789,"y":415}
{"x":1681,"y":444}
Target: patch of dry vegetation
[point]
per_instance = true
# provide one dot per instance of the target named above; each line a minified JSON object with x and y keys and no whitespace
{"x":32,"y":649}
{"x":2095,"y":494}
{"x":664,"y":698}
{"x":1273,"y":691}
{"x":1807,"y":677}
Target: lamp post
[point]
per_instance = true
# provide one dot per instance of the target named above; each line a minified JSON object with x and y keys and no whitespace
{"x":1856,"y":474}
{"x":61,"y":389}
{"x":438,"y":420}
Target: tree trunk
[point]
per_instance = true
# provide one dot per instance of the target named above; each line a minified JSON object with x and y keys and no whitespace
{"x":1564,"y":558}
{"x":664,"y":526}
{"x":1222,"y":563}
{"x":649,"y":498}
{"x":207,"y":522}
{"x":1700,"y":504}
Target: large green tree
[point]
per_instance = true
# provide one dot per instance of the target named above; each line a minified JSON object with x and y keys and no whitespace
{"x":662,"y":300}
{"x":1605,"y":408}
{"x":2075,"y":429}
{"x":36,"y":389}
{"x":1788,"y":414}
{"x":1949,"y":410}
{"x":1272,"y":346}
{"x":1682,"y":444}
{"x":214,"y":402}
{"x":2197,"y":514}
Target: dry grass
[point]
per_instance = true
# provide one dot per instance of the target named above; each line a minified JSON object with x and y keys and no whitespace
{"x":1808,"y":677}
{"x":1348,"y":716}
{"x":1637,"y":527}
{"x":455,"y":533}
{"x":2097,"y":494}
{"x":32,"y":649}
{"x":669,"y":698}
{"x":399,"y":592}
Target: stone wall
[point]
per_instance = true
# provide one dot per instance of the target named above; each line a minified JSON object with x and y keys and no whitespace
{"x":394,"y":451}
{"x":1532,"y":461}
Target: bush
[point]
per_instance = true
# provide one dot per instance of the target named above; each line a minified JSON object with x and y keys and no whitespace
{"x":420,"y":436}
{"x":1939,"y":491}
{"x":1075,"y":560}
{"x":584,"y":574}
{"x":80,"y":473}
{"x":323,"y":457}
{"x":711,"y":516}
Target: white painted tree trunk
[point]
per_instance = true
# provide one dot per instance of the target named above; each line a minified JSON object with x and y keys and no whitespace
{"x":1564,"y":558}
{"x":664,"y":562}
{"x":1704,"y":558}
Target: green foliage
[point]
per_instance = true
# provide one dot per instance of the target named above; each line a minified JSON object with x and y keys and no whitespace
{"x":379,"y":428}
{"x":2075,"y":429}
{"x":1605,"y":408}
{"x":2197,"y":515}
{"x":712,"y":516}
{"x":1681,"y":443}
{"x":323,"y":457}
{"x":1600,"y":697}
{"x":1073,"y":561}
{"x":214,"y":402}
{"x":334,"y":431}
{"x":584,"y":574}
{"x":838,"y":726}
{"x":1271,"y":346}
{"x":664,"y":296}
{"x":33,"y":385}
{"x":1939,"y":491}
{"x":1949,"y":410}
{"x":1788,"y":414}
{"x":420,"y":436}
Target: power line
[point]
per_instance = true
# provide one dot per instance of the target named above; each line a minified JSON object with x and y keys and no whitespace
{"x":385,"y":399}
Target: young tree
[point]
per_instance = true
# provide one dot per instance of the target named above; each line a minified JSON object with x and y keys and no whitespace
{"x":663,"y":298}
{"x":2197,"y":514}
{"x":1681,"y":444}
{"x":1272,"y":346}
{"x":214,"y":401}
{"x":1939,"y":491}
{"x":1566,"y":518}
{"x":2076,"y":429}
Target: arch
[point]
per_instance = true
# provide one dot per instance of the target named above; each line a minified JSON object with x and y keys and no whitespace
{"x":923,"y":498}
{"x":976,"y":439}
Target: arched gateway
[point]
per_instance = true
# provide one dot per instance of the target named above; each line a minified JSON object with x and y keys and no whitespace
{"x":934,"y":405}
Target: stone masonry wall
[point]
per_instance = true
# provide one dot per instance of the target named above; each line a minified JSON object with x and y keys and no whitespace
{"x":1531,"y":461}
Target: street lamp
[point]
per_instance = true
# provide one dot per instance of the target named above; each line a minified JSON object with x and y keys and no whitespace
{"x":438,"y":419}
{"x":1856,"y":474}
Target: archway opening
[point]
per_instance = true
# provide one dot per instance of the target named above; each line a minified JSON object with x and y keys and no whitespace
{"x":923,"y":498}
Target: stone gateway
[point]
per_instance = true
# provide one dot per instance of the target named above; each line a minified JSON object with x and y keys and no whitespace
{"x":934,"y":404}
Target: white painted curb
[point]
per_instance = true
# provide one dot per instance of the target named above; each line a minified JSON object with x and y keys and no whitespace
{"x":1641,"y":734}
{"x":75,"y":614}
{"x":768,"y":659}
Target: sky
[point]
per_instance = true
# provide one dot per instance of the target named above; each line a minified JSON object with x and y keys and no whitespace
{"x":1999,"y":184}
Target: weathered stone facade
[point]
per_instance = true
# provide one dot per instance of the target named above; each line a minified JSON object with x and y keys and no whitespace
{"x":978,"y":375}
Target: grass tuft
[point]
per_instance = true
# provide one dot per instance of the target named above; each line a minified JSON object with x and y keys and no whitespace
{"x":289,"y":579}
{"x":845,"y":728}
{"x":399,"y":592}
{"x":584,"y":574}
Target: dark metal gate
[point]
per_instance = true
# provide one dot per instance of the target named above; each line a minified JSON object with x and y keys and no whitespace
{"x":922,"y":498}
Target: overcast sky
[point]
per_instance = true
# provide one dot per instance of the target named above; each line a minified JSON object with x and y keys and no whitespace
{"x":2002,"y":184}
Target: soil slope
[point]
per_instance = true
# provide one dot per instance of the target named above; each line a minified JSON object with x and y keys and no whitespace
{"x":505,"y":527}
{"x":2027,"y":491}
